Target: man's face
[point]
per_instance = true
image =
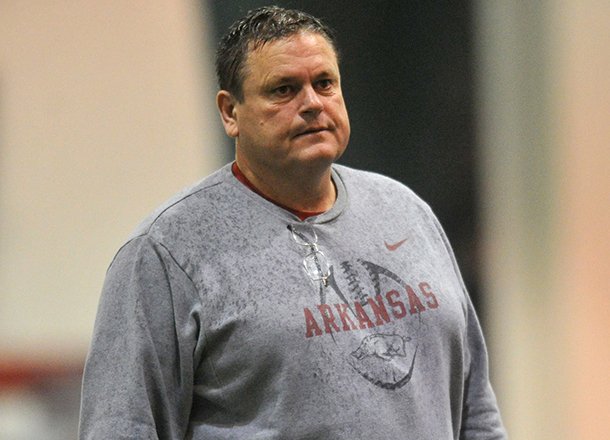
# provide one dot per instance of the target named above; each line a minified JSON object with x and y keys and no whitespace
{"x":292,"y":115}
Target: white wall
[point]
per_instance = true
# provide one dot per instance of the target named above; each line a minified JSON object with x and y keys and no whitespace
{"x":106,"y":109}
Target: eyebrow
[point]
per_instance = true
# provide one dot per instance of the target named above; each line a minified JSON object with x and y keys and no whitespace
{"x":274,"y":79}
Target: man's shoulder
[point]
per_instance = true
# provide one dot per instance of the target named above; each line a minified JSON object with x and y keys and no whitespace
{"x":358,"y":181}
{"x":184,"y":206}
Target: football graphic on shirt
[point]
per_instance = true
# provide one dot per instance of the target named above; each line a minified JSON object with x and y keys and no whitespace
{"x":377,"y":297}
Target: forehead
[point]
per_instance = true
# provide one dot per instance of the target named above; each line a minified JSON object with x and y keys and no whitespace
{"x":302,"y":49}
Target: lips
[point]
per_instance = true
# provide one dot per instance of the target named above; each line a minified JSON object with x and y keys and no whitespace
{"x":311,"y":130}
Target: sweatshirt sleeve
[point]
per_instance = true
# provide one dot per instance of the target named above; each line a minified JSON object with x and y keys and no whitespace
{"x":139,"y":374}
{"x":481,"y":418}
{"x":480,"y":415}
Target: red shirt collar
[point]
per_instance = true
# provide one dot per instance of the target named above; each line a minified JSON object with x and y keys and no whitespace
{"x":243,"y":179}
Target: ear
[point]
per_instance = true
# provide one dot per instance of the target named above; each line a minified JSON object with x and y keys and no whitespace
{"x":226,"y":106}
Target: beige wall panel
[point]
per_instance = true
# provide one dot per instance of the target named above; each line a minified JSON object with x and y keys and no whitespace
{"x":544,"y":100}
{"x":582,"y":34}
{"x":107,"y":108}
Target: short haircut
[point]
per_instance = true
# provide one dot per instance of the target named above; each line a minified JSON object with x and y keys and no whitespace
{"x":258,"y":27}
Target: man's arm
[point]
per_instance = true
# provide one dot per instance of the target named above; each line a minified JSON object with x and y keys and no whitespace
{"x":481,"y":417}
{"x":138,"y":380}
{"x":480,"y":414}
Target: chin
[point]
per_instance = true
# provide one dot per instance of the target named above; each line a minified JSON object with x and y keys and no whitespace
{"x":321,"y":154}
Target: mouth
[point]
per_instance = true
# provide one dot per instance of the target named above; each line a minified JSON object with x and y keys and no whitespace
{"x":312,"y":130}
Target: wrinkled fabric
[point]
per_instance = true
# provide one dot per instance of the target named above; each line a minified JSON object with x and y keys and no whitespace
{"x":211,"y":327}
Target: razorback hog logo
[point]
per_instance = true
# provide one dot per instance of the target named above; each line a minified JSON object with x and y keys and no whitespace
{"x":383,"y":346}
{"x":380,"y":359}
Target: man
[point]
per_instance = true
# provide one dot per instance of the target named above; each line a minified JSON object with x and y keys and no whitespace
{"x":285,"y":297}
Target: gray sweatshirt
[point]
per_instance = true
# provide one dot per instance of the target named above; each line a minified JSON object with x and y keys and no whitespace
{"x":210,"y":325}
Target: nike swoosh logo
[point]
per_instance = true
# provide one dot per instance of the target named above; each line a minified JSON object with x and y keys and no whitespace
{"x":393,"y":247}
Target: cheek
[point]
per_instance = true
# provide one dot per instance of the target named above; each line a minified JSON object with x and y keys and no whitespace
{"x":268,"y":114}
{"x":278,"y":122}
{"x":337,"y":104}
{"x":346,"y":128}
{"x":341,"y":116}
{"x":344,"y":125}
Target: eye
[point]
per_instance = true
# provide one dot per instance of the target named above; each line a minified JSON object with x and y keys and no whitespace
{"x":324,"y":84}
{"x":283,"y":91}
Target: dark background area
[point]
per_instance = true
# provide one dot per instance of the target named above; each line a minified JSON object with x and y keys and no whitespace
{"x":407,"y":79}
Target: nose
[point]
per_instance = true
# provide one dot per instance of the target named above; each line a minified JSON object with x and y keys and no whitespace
{"x":312,"y":103}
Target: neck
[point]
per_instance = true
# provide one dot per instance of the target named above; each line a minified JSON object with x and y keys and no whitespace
{"x":304,"y":190}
